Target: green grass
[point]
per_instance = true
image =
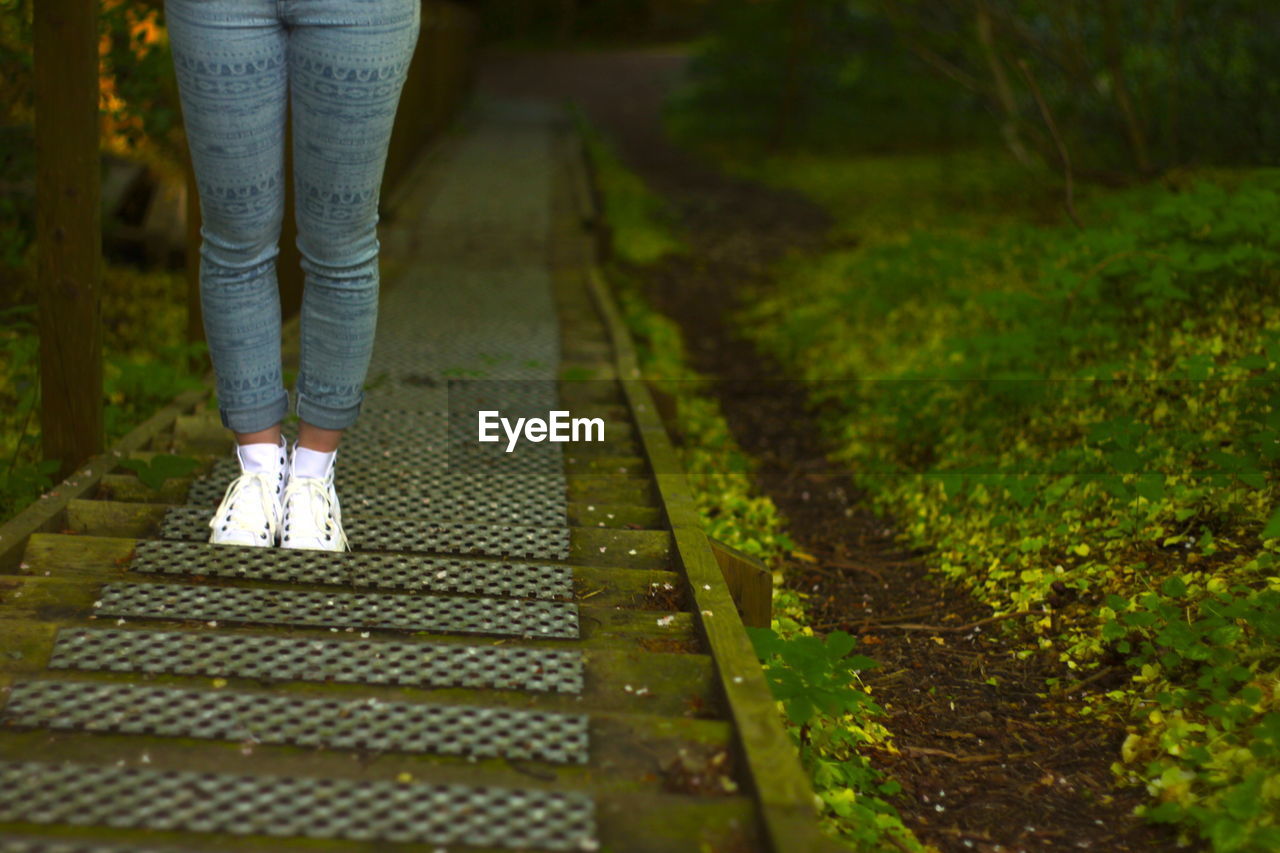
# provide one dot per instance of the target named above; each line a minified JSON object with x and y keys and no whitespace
{"x":883,"y":197}
{"x":641,"y":229}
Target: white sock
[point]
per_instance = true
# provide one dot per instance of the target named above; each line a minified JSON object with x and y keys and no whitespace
{"x":261,"y":458}
{"x":312,"y":463}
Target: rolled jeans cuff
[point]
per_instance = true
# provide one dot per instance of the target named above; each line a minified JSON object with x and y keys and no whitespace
{"x":327,"y":417}
{"x":256,"y":418}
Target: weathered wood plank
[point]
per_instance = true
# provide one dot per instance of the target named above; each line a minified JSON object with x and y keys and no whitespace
{"x":49,"y":512}
{"x":627,"y":751}
{"x":786,"y":799}
{"x":593,"y":514}
{"x":749,"y":582}
{"x":594,"y":546}
{"x":621,"y":489}
{"x":633,"y":681}
{"x":68,"y":598}
{"x":108,"y":558}
{"x":689,"y":824}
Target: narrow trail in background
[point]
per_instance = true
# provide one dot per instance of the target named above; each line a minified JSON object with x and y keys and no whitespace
{"x":984,"y":766}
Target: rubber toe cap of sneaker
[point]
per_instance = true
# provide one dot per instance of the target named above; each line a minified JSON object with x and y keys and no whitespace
{"x":239,"y":537}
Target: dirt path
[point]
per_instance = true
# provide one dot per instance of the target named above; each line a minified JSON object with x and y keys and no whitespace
{"x":984,"y":766}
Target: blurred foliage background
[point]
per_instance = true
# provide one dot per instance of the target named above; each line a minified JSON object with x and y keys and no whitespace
{"x":1126,"y":88}
{"x":143,"y":305}
{"x":140,"y":115}
{"x":591,"y":22}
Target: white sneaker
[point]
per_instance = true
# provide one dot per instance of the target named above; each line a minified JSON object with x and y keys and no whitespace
{"x":251,"y":510}
{"x":312,"y":516}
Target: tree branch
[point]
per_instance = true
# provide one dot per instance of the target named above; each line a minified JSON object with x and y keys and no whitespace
{"x":1119,"y":85}
{"x":1063,"y":155}
{"x":1004,"y":91}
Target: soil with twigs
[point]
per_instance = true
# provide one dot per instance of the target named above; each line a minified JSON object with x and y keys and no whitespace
{"x":986,"y":763}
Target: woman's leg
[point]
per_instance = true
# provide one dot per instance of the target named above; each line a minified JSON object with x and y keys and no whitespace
{"x":231,"y":62}
{"x":347,"y":64}
{"x":318,"y":439}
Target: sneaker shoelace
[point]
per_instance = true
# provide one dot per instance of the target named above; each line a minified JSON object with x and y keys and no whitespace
{"x":226,"y":516}
{"x":321,"y":524}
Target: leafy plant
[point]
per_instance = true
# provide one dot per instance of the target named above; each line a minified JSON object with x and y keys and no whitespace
{"x":814,"y":680}
{"x":136,"y":388}
{"x":812,"y":676}
{"x":25,"y":482}
{"x":25,"y":476}
{"x":147,"y":363}
{"x":813,"y":74}
{"x":1212,"y":752}
{"x":160,"y":468}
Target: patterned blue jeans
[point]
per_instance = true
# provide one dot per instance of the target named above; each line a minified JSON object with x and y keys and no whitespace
{"x":344,"y":64}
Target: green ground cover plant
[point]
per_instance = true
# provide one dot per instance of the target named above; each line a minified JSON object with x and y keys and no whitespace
{"x":1077,"y":418}
{"x":641,"y":230}
{"x":815,"y":680}
{"x":1080,"y":423}
{"x":154,"y":472}
{"x":146,"y":363}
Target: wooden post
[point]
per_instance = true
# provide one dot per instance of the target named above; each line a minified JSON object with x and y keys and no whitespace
{"x":668,"y":407}
{"x":749,"y":582}
{"x":68,"y":230}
